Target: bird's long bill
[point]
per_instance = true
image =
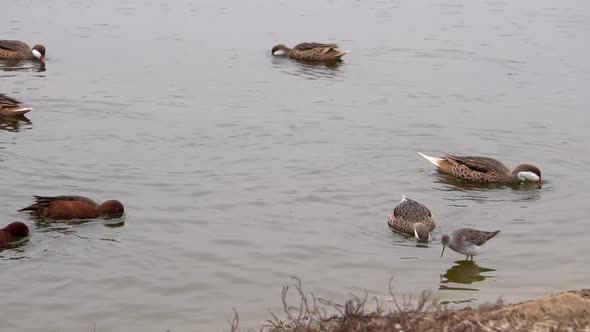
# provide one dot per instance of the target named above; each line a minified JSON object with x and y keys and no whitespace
{"x":443,"y":251}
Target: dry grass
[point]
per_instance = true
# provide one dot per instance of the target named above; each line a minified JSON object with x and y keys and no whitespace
{"x":314,"y":314}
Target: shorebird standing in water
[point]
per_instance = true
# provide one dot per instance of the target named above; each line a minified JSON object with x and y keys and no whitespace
{"x":466,"y":241}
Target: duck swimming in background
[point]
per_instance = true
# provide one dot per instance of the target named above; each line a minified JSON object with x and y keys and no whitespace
{"x":9,"y":107}
{"x":74,"y":207}
{"x":412,"y":218}
{"x":12,"y":232}
{"x":17,"y":50}
{"x":483,"y":169}
{"x":310,"y":52}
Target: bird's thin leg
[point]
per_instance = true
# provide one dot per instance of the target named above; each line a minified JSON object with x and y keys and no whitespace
{"x":467,"y":257}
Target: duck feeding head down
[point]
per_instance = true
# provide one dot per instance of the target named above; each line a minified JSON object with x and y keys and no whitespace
{"x":280,"y":50}
{"x":421,"y":232}
{"x":112,"y":208}
{"x":526,"y":172}
{"x":39,"y":52}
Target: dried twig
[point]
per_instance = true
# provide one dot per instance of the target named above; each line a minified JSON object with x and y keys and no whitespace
{"x":235,"y":322}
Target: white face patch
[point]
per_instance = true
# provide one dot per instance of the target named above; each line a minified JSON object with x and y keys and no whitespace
{"x":279,"y":52}
{"x":528,"y":176}
{"x":37,"y":54}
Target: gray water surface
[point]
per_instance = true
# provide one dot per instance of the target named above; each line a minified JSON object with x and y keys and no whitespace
{"x":239,"y":170}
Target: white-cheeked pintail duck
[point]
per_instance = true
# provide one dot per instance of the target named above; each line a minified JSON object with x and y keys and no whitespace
{"x":17,"y":50}
{"x":412,"y":218}
{"x":483,"y":169}
{"x":310,"y":52}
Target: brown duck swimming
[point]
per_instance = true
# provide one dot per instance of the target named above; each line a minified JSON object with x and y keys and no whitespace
{"x":412,"y":218}
{"x":74,"y":207}
{"x":10,"y":107}
{"x":483,"y":169}
{"x":13,"y":231}
{"x":310,"y":52}
{"x":17,"y":50}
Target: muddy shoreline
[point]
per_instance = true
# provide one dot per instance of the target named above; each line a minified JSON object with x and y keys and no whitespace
{"x":566,"y":311}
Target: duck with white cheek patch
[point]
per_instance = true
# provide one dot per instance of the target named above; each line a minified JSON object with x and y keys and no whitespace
{"x":484,"y":169}
{"x":17,"y":50}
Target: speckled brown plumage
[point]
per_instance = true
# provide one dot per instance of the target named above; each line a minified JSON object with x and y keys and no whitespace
{"x":10,"y":107}
{"x":407,"y":214}
{"x":311,"y":52}
{"x":17,"y":50}
{"x":481,"y":169}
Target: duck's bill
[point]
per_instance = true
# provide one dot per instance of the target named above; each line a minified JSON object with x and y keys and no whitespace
{"x":539,"y":182}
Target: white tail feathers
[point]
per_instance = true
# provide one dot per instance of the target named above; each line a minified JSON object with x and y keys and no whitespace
{"x":435,"y":161}
{"x":341,"y":53}
{"x":403,"y":199}
{"x":23,"y":110}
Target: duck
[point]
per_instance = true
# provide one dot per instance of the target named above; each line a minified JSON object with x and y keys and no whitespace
{"x":9,"y":107}
{"x":73,"y":207}
{"x":466,"y":241}
{"x":17,"y":50}
{"x":412,"y":218}
{"x":12,"y":232}
{"x":484,"y":169}
{"x":310,"y":52}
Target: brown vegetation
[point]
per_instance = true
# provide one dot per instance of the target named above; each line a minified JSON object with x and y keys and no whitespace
{"x":567,"y":311}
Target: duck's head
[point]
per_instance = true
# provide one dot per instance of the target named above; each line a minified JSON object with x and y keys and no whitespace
{"x":421,"y":232}
{"x":280,"y":49}
{"x":526,"y":172}
{"x":17,"y":229}
{"x":112,"y":208}
{"x":445,"y":242}
{"x":39,"y":52}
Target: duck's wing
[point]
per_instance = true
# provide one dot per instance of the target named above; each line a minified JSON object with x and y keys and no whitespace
{"x":44,"y":201}
{"x":14,"y":45}
{"x":411,"y":210}
{"x":311,"y":46}
{"x":479,"y":164}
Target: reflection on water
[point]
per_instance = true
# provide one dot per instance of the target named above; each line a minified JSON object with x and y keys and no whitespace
{"x":15,"y":124}
{"x":311,"y":70}
{"x":465,"y":272}
{"x":18,"y":65}
{"x":69,"y":226}
{"x":16,"y":246}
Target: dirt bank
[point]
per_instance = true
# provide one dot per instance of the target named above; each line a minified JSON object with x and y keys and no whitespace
{"x":567,"y":311}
